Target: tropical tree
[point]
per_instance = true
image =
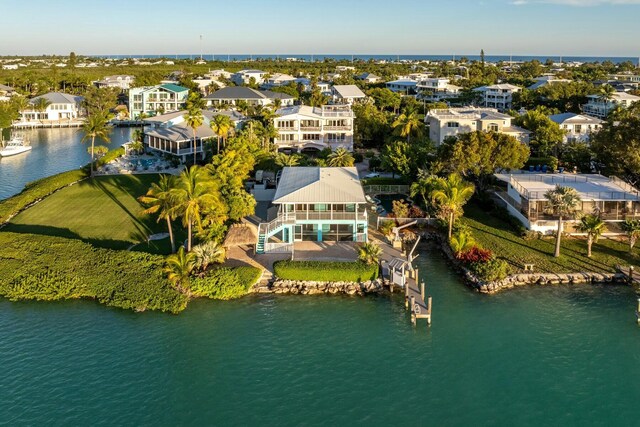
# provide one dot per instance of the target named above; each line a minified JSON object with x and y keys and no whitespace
{"x":96,"y":126}
{"x":631,"y":228}
{"x":221,"y":125}
{"x":340,"y":158}
{"x":606,"y":92}
{"x":208,"y":253}
{"x":99,"y":151}
{"x":422,"y":186}
{"x":286,"y":160}
{"x":194,"y":119}
{"x":160,"y":200}
{"x":195,"y":195}
{"x":562,"y":202}
{"x":594,"y":226}
{"x":450,"y":194}
{"x":178,"y":268}
{"x":41,"y":104}
{"x":461,"y":242}
{"x":369,"y":253}
{"x":408,"y":124}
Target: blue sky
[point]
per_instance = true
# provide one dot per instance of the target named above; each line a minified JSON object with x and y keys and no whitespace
{"x":519,"y":27}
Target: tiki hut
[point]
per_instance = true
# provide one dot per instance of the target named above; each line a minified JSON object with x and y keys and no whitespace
{"x":241,"y":235}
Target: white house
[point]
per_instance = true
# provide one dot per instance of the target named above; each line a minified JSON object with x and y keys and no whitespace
{"x":404,"y":86}
{"x":122,"y":82}
{"x":499,"y":96}
{"x":451,"y":122}
{"x":277,"y":79}
{"x":233,"y":94}
{"x":577,"y":127}
{"x":243,"y":77}
{"x":152,"y":100}
{"x":306,"y":128}
{"x":6,"y":92}
{"x":599,"y":107}
{"x":437,"y":89}
{"x":369,"y":78}
{"x":347,"y":94}
{"x":546,"y":80}
{"x":61,"y":106}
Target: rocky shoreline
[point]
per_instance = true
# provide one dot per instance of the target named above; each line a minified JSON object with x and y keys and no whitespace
{"x":294,"y":287}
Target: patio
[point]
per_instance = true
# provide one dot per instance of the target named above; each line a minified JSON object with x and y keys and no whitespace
{"x":325,"y":251}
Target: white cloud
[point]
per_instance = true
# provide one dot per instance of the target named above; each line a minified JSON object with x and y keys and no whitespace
{"x":579,"y":3}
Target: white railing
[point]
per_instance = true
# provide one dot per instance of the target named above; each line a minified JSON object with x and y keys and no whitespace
{"x":629,"y":193}
{"x":386,"y":189}
{"x":331,"y":215}
{"x":278,"y":248}
{"x":403,"y":221}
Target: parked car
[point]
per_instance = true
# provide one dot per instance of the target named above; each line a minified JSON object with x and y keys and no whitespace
{"x":372,"y":175}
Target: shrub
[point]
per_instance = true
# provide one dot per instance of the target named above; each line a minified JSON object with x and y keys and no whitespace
{"x":226,"y":282}
{"x":475,"y":254}
{"x":358,"y":157}
{"x":416,"y":212}
{"x":400,"y":209}
{"x":326,"y":271}
{"x":374,"y":163}
{"x":490,"y":271}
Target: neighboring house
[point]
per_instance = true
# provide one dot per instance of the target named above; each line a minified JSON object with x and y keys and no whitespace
{"x":307,"y":128}
{"x":152,"y":100}
{"x":6,"y":92}
{"x":455,"y":121}
{"x":598,"y":107}
{"x":62,"y":106}
{"x":614,"y":199}
{"x":404,"y":86}
{"x":577,"y":127}
{"x":10,"y":66}
{"x":343,"y":68}
{"x":215,"y":74}
{"x":437,"y":89}
{"x":369,"y":78}
{"x":632,"y":78}
{"x":243,"y":77}
{"x":546,"y":80}
{"x":324,"y":87}
{"x":277,"y":79}
{"x":122,"y":82}
{"x":315,"y":204}
{"x":233,"y":94}
{"x":347,"y":94}
{"x":170,"y":134}
{"x":498,"y":96}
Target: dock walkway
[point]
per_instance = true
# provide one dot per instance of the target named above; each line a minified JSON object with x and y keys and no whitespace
{"x":415,"y":299}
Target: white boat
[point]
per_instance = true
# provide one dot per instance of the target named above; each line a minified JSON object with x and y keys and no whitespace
{"x":15,"y":145}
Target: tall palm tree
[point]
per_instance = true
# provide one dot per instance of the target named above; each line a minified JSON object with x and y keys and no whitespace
{"x":194,"y":120}
{"x":160,"y":200}
{"x":340,"y":158}
{"x":178,"y":268}
{"x":450,"y":194}
{"x":605,"y":93}
{"x":594,"y":226}
{"x":221,"y":125}
{"x":96,"y":126}
{"x":631,"y":228}
{"x":562,"y":202}
{"x":40,"y":105}
{"x":422,"y":186}
{"x":195,"y":194}
{"x":408,"y":124}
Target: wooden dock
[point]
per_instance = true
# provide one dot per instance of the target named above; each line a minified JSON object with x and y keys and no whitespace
{"x":415,"y":299}
{"x":633,"y":276}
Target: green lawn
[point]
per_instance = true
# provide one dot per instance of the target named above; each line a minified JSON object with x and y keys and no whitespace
{"x":102,"y":211}
{"x":493,"y":233}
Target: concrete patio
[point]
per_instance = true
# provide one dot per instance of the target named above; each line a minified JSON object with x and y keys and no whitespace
{"x":325,"y":251}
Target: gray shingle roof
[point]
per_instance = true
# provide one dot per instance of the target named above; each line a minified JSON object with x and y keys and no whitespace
{"x":319,"y":185}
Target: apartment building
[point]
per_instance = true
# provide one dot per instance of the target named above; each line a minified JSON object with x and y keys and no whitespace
{"x":160,"y":99}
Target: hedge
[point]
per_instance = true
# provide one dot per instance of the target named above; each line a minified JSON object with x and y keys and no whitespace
{"x":35,"y":267}
{"x":325,"y":271}
{"x":226,"y":282}
{"x":384,"y":180}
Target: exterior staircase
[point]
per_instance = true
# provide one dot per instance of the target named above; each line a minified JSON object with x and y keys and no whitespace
{"x":265,"y":231}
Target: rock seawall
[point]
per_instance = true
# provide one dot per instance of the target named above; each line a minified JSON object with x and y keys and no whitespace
{"x":546,"y":279}
{"x":295,"y":287}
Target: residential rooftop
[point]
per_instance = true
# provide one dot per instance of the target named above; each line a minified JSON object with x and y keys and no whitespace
{"x":319,"y":185}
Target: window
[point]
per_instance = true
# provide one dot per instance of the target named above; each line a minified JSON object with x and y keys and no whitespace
{"x":578,"y":128}
{"x":453,"y":124}
{"x":493,"y":127}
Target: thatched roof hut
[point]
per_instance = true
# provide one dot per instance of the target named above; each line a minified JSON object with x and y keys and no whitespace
{"x":241,"y":235}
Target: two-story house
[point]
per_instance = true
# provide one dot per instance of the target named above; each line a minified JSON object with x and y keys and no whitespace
{"x":152,"y":100}
{"x":277,"y":79}
{"x":232,"y":95}
{"x":451,"y":122}
{"x":598,"y":106}
{"x":499,"y":96}
{"x":59,"y":106}
{"x":437,"y":89}
{"x":403,"y":86}
{"x":347,"y":94}
{"x":122,"y":82}
{"x":244,"y":77}
{"x":315,"y":204}
{"x":577,"y":127}
{"x":302,"y":127}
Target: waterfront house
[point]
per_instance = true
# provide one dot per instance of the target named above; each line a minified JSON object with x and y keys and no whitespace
{"x":244,"y":77}
{"x":612,"y":198}
{"x":577,"y":127}
{"x":160,"y":99}
{"x":437,"y":89}
{"x":347,"y":94}
{"x":122,"y":82}
{"x":61,"y":106}
{"x":499,"y":96}
{"x":404,"y":86}
{"x":305,"y":128}
{"x":169,"y":133}
{"x":315,"y":204}
{"x":232,"y":95}
{"x":451,"y":122}
{"x":597,"y":106}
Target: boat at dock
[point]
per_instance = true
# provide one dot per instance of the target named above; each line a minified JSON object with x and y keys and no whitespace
{"x":16,"y":145}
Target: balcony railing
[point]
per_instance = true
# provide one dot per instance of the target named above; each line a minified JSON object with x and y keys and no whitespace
{"x":347,"y":128}
{"x":287,"y":128}
{"x":329,"y":215}
{"x":311,"y":128}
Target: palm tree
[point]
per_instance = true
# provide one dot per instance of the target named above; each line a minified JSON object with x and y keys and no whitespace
{"x":40,"y":105}
{"x":422,"y":186}
{"x":631,"y":228}
{"x":160,"y":200}
{"x":96,"y":126}
{"x":208,"y":253}
{"x":461,"y":242}
{"x":450,"y":194}
{"x":605,"y":93}
{"x":369,"y":253}
{"x":194,"y":194}
{"x":408,"y":124}
{"x":194,"y":120}
{"x":221,"y":125}
{"x":594,"y":226}
{"x":563,"y":203}
{"x":340,"y":158}
{"x":285,"y":160}
{"x":178,"y":268}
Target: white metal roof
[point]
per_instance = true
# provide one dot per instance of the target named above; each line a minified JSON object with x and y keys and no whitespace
{"x":319,"y":185}
{"x":349,"y":91}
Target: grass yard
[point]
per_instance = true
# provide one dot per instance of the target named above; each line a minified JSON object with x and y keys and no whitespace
{"x":102,"y":211}
{"x":493,"y":233}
